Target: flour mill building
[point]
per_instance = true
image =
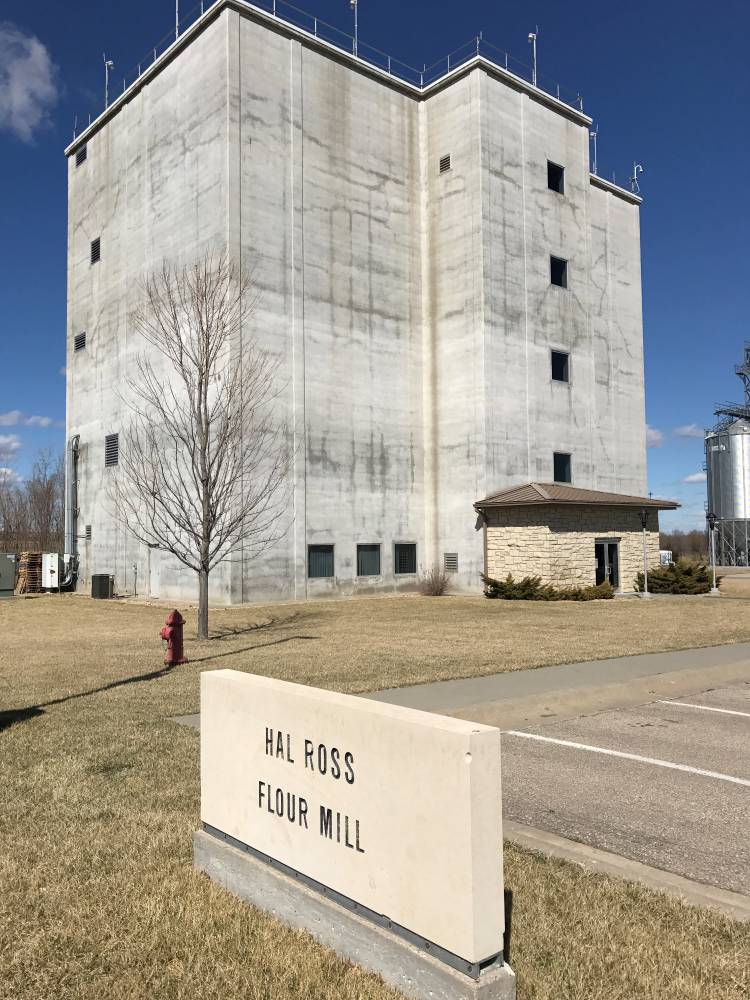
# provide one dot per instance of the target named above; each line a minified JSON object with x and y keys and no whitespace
{"x":454,"y":296}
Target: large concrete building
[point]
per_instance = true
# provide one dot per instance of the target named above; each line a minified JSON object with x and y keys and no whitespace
{"x":455,"y":297}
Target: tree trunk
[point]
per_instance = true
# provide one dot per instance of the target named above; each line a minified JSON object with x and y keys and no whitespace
{"x":203,"y":604}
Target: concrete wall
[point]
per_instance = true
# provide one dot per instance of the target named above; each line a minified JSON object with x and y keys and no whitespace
{"x":411,"y":310}
{"x":557,"y":543}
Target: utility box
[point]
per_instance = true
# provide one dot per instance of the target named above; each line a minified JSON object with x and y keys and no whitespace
{"x":102,"y":585}
{"x":7,"y":573}
{"x":52,"y":570}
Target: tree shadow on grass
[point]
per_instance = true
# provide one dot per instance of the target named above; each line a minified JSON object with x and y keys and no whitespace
{"x":14,"y":715}
{"x":249,"y":649}
{"x":287,"y":621}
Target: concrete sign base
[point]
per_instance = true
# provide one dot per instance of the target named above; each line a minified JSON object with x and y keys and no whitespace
{"x":376,"y":949}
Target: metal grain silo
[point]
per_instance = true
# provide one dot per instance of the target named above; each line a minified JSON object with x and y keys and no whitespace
{"x":728,"y":475}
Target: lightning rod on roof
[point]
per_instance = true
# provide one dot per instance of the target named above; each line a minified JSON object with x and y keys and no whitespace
{"x":108,"y":65}
{"x":353,"y":4}
{"x":634,"y":186}
{"x":593,"y":134}
{"x":532,"y":42}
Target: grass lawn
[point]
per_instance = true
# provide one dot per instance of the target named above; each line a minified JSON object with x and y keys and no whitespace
{"x":98,"y":898}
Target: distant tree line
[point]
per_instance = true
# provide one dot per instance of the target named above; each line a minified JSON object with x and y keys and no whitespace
{"x":687,"y":544}
{"x":32,"y":510}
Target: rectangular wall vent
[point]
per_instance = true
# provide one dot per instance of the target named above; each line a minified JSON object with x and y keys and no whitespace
{"x":81,"y":155}
{"x":112,"y":449}
{"x":445,"y":163}
{"x":450,"y":562}
{"x":88,"y":532}
{"x":79,"y":341}
{"x":96,"y":250}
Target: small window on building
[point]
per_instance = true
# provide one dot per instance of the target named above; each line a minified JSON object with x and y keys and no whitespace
{"x":319,"y":561}
{"x":450,"y":562}
{"x":560,"y":366}
{"x":555,"y":177}
{"x":405,"y":557}
{"x":81,"y":155}
{"x":561,"y":463}
{"x":79,"y":341}
{"x":368,"y":560}
{"x":96,"y":250}
{"x":112,"y":449}
{"x":445,"y":163}
{"x":558,"y":271}
{"x":88,"y":532}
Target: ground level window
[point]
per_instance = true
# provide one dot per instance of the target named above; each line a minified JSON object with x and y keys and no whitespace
{"x":561,"y":464}
{"x":368,"y":560}
{"x":406,"y":557}
{"x":319,"y":560}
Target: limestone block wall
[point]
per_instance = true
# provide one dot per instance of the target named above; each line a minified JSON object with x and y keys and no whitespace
{"x":557,"y":543}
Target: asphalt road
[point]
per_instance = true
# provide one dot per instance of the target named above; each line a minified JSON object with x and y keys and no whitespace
{"x":679,"y":800}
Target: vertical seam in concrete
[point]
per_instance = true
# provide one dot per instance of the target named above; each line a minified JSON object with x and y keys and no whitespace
{"x":482,"y":417}
{"x":593,"y":466}
{"x":239,"y":257}
{"x":523,"y":100}
{"x":429,"y":347}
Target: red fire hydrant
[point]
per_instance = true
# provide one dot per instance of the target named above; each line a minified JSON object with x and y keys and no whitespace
{"x":172,"y":634}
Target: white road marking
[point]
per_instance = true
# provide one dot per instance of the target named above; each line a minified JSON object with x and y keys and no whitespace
{"x":705,"y":708}
{"x":631,"y":756}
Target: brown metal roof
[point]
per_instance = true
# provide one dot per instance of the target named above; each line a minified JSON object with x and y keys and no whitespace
{"x":560,"y":493}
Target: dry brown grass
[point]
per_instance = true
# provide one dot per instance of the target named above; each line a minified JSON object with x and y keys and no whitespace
{"x":100,"y":797}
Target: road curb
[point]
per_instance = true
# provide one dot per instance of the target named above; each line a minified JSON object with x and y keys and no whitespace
{"x":732,"y":904}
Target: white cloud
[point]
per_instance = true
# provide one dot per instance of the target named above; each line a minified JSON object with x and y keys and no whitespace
{"x":28,"y":88}
{"x":8,"y":477}
{"x":695,"y":477}
{"x":9,"y":445}
{"x":654,"y":438}
{"x":14,"y":417}
{"x":38,"y":421}
{"x":11,"y":418}
{"x":689,"y":431}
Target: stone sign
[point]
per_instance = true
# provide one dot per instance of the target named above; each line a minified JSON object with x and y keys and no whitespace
{"x":394,"y":809}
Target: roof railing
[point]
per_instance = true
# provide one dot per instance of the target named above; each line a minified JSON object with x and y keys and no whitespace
{"x":370,"y":56}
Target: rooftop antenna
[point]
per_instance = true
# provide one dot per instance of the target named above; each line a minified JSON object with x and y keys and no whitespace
{"x":532,"y":40}
{"x":353,"y":5}
{"x":593,"y":135}
{"x":634,"y":186}
{"x":176,"y":19}
{"x":108,"y":65}
{"x":75,"y":126}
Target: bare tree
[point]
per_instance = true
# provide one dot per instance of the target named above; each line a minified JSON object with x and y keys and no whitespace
{"x":203,"y":463}
{"x":32,"y":509}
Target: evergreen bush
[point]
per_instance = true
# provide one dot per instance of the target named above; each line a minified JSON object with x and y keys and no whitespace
{"x":531,"y":588}
{"x":682,"y":577}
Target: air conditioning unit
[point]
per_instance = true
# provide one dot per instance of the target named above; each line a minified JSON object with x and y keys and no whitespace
{"x":52,"y":570}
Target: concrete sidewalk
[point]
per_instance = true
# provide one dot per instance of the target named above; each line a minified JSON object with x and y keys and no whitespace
{"x":511,"y":699}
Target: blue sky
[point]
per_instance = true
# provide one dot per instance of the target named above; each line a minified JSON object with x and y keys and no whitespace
{"x":667,"y":83}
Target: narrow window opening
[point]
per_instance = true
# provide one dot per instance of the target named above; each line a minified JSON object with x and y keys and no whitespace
{"x":319,"y":561}
{"x":561,"y":463}
{"x":560,"y":366}
{"x":555,"y":177}
{"x":558,"y":271}
{"x":81,"y":155}
{"x":450,"y":562}
{"x":96,"y":250}
{"x":79,"y":342}
{"x":112,"y":449}
{"x":368,"y":560}
{"x":445,"y":163}
{"x":405,"y":557}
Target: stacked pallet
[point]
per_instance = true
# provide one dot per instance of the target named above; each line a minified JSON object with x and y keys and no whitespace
{"x":29,"y":580}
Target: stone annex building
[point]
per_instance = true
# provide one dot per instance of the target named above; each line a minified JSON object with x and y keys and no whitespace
{"x":454,"y":296}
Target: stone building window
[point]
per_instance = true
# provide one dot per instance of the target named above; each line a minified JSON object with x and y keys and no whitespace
{"x":561,"y":463}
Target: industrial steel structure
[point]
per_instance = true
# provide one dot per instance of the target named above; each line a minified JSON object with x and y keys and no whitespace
{"x":453,"y":296}
{"x":728,"y":474}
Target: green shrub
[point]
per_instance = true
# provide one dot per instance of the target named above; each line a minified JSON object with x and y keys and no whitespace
{"x":682,"y":577}
{"x":531,"y":588}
